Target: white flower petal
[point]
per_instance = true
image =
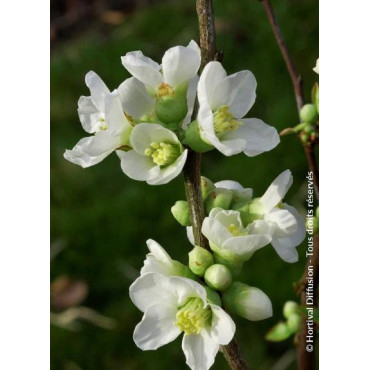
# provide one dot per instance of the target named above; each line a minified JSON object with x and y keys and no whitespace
{"x":214,"y":231}
{"x":144,"y":134}
{"x":260,"y":227}
{"x":93,"y":149}
{"x":229,"y":184}
{"x":257,"y":136}
{"x":135,"y":99}
{"x":276,"y":191}
{"x":190,"y":98}
{"x":157,"y":327}
{"x":213,"y":73}
{"x":90,"y":116}
{"x":158,"y":251}
{"x":200,"y":350}
{"x":143,"y":68}
{"x":285,"y":221}
{"x":237,"y":92}
{"x":190,"y":234}
{"x":117,"y":123}
{"x":245,"y":246}
{"x":285,"y":247}
{"x":180,"y":64}
{"x":98,"y":90}
{"x":186,"y":288}
{"x":223,"y":326}
{"x":227,"y":217}
{"x":171,"y":171}
{"x":256,"y":305}
{"x":151,"y":289}
{"x":137,"y":166}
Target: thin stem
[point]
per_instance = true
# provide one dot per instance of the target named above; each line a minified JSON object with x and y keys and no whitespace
{"x":306,"y":360}
{"x":295,"y":77}
{"x":192,"y":168}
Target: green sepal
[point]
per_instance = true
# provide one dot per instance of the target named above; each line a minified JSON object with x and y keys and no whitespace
{"x":207,"y":186}
{"x":213,"y":296}
{"x":218,"y":197}
{"x":193,"y":139}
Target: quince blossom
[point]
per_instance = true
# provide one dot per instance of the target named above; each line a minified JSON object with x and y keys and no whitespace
{"x":100,"y":114}
{"x":173,"y":305}
{"x":157,"y":156}
{"x":223,"y":101}
{"x":172,"y":84}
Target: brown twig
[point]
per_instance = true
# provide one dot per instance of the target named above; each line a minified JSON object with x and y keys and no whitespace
{"x":306,"y":359}
{"x":192,"y":168}
{"x":295,"y":77}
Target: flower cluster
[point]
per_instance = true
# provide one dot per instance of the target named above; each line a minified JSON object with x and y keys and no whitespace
{"x":147,"y":120}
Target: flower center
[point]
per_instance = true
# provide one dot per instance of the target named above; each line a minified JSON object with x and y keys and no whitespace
{"x":236,"y":231}
{"x":103,"y":126}
{"x":164,"y":90}
{"x":224,"y":121}
{"x":193,"y":317}
{"x":162,"y":154}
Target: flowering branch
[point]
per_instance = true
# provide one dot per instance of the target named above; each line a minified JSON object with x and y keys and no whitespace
{"x":306,"y":360}
{"x":192,"y":168}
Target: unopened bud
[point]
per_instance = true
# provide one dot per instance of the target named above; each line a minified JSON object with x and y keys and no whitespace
{"x":294,"y":322}
{"x":279,"y":332}
{"x":309,"y":129}
{"x":290,"y":308}
{"x":308,"y":113}
{"x":218,"y":277}
{"x":248,"y":302}
{"x":199,"y":260}
{"x":207,"y":186}
{"x":218,"y":198}
{"x":180,"y":210}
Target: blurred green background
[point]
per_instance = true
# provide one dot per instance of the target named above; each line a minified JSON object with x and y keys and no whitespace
{"x":101,"y":218}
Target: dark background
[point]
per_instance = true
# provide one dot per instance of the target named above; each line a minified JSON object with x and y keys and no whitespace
{"x":100,"y":219}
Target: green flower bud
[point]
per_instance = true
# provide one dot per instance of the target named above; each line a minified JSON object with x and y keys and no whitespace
{"x":199,"y":260}
{"x":218,"y":198}
{"x":170,"y":105}
{"x":193,"y":139}
{"x":250,"y":211}
{"x":290,"y":308}
{"x":213,"y":296}
{"x":248,"y":302}
{"x":308,"y":113}
{"x":218,"y":277}
{"x":180,"y":210}
{"x":294,"y":322}
{"x":279,"y":332}
{"x":207,"y":186}
{"x":179,"y":269}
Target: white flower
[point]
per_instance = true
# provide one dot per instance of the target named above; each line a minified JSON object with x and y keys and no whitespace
{"x":287,"y":226}
{"x":228,"y":237}
{"x":176,"y":74}
{"x":157,"y":156}
{"x":316,"y":69}
{"x":240,"y":194}
{"x":101,"y":114}
{"x":172,"y":305}
{"x":158,"y":261}
{"x":224,"y":100}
